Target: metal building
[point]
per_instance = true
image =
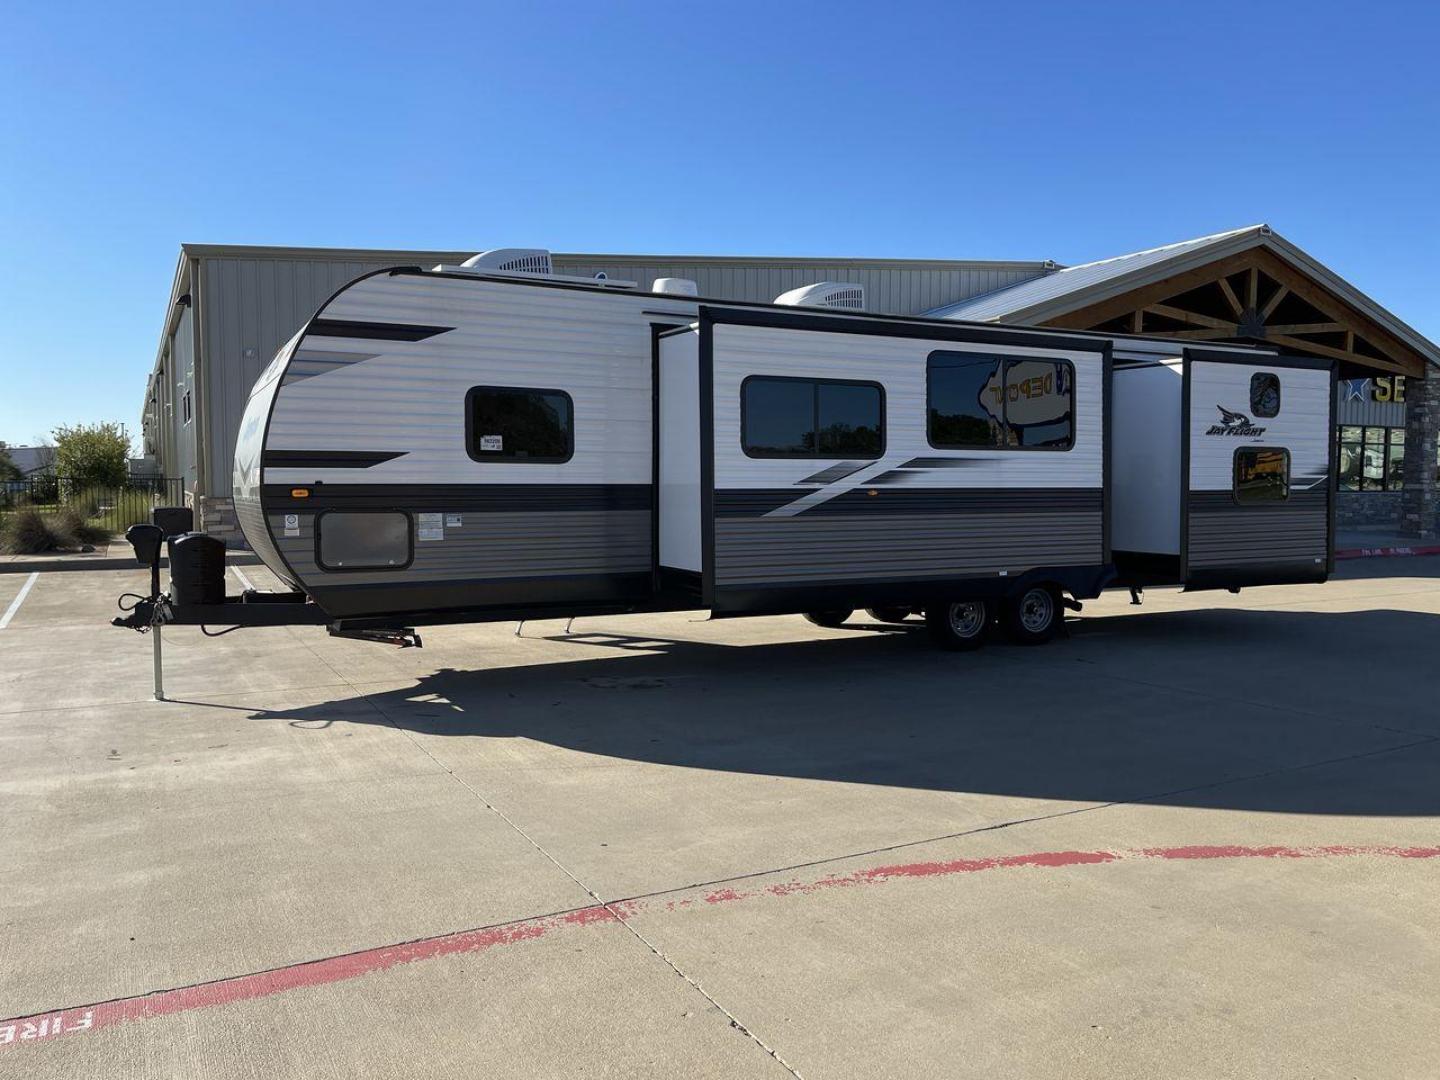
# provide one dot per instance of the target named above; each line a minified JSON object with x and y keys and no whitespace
{"x":231,"y":307}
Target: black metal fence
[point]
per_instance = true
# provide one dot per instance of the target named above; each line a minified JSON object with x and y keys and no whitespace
{"x":114,"y":508}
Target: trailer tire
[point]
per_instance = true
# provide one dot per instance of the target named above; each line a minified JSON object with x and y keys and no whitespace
{"x":831,"y":620}
{"x":1034,"y":616}
{"x":888,"y":614}
{"x":960,"y":626}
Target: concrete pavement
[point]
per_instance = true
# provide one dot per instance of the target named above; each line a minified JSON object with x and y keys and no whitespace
{"x":1196,"y":838}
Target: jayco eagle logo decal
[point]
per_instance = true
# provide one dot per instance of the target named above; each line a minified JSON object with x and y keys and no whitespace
{"x":1234,"y":423}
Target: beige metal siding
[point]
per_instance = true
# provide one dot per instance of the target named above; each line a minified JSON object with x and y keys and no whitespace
{"x":888,"y":290}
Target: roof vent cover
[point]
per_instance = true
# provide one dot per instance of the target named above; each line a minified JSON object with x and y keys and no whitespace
{"x":515,"y":260}
{"x":845,"y":295}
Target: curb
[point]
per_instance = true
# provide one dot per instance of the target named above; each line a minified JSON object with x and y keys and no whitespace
{"x":1376,"y":552}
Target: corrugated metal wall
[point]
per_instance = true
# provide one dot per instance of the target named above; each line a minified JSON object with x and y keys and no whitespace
{"x":181,"y":375}
{"x":888,"y":290}
{"x":250,"y":306}
{"x":1364,"y":410}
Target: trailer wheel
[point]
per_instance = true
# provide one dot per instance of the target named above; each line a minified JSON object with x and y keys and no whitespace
{"x":829,"y":619}
{"x":1034,"y":616}
{"x":888,"y":614}
{"x":959,"y":627}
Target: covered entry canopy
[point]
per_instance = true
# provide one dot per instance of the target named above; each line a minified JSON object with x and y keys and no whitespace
{"x":1249,"y":284}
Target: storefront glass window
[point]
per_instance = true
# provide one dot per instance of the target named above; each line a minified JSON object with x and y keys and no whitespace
{"x":1373,"y":458}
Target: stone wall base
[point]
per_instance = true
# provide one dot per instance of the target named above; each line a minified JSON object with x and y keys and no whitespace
{"x":217,"y":517}
{"x":1367,"y":509}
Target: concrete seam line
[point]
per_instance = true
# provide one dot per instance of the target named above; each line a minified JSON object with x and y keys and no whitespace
{"x":19,"y":599}
{"x":602,"y":903}
{"x":43,"y":1026}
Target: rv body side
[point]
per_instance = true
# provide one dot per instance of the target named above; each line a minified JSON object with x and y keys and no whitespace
{"x":441,"y":446}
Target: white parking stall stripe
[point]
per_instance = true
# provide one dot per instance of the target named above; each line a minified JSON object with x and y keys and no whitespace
{"x":19,"y":599}
{"x":244,"y":581}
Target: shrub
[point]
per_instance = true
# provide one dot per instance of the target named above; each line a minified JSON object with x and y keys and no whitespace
{"x":71,"y":523}
{"x":29,"y":532}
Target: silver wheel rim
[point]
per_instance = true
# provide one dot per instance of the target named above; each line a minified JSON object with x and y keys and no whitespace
{"x":967,"y":619}
{"x":1037,"y":608}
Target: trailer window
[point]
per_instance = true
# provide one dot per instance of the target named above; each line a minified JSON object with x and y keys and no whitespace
{"x":785,"y":417}
{"x":984,"y":402}
{"x":363,"y":540}
{"x":1262,"y":474}
{"x":519,"y":424}
{"x":1265,"y":394}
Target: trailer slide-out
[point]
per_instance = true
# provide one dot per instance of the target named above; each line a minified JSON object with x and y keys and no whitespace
{"x":468,"y":443}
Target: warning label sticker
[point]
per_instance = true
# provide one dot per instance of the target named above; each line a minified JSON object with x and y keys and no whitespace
{"x":292,"y":524}
{"x":429,"y":526}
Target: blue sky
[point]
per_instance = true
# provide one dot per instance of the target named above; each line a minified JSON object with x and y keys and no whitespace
{"x":1023,"y":131}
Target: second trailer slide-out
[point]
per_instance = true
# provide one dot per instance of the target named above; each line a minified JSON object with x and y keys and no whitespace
{"x":469,"y":443}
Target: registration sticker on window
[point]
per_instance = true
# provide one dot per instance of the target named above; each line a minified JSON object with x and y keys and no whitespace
{"x":492,"y":442}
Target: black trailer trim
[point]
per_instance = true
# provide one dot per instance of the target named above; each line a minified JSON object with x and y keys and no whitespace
{"x":1242,"y":577}
{"x":707,"y":458}
{"x":474,"y":498}
{"x":327,"y":459}
{"x":411,"y":602}
{"x":1186,"y":356}
{"x":781,"y":598}
{"x":373,"y":331}
{"x":1333,"y":484}
{"x":787,"y":318}
{"x":1107,"y":382}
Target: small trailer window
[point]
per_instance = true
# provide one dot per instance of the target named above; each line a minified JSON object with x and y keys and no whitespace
{"x":519,"y":424}
{"x":785,"y":417}
{"x":1262,"y":474}
{"x":985,"y":402}
{"x":1265,"y":394}
{"x":363,"y":540}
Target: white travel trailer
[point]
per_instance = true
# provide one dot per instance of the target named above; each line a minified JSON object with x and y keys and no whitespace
{"x":478,"y":442}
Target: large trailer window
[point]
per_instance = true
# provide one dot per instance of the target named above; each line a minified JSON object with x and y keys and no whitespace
{"x":514,"y":423}
{"x":785,"y":417}
{"x":1265,"y":394}
{"x":1262,"y":474}
{"x":363,"y":540}
{"x":993,"y":403}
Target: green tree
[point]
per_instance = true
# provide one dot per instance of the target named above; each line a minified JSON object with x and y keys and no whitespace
{"x":8,"y":469}
{"x":92,"y":453}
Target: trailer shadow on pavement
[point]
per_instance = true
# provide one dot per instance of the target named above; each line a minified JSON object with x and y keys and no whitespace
{"x":1167,"y":707}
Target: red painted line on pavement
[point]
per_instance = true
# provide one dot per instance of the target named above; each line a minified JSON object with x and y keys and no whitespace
{"x":1372,"y":552}
{"x":46,"y":1026}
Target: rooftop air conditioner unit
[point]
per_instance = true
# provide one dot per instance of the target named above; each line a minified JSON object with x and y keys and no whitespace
{"x":675,"y":286}
{"x":845,"y":295}
{"x":515,"y":260}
